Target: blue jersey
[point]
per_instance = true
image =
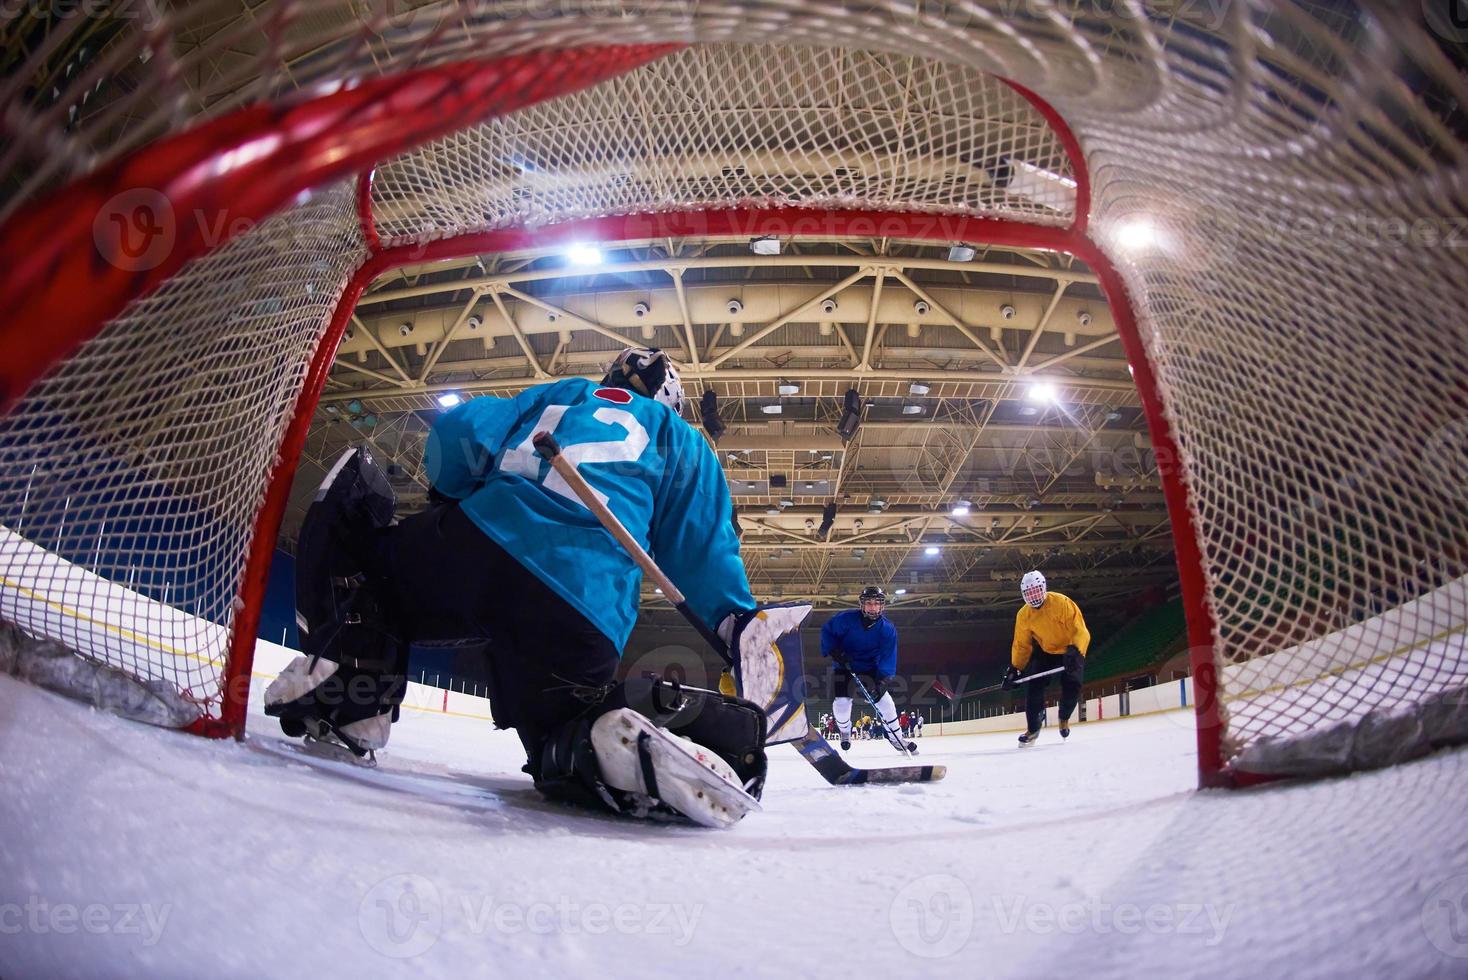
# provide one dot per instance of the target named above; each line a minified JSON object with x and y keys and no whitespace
{"x":872,"y":649}
{"x":652,"y":469}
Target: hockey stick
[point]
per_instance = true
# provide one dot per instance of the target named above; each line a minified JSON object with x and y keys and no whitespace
{"x":1018,"y":680}
{"x":812,"y":746}
{"x":891,"y":735}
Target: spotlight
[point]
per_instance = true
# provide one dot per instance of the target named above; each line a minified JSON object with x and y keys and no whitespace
{"x":766,"y":245}
{"x":449,"y":399}
{"x":828,"y":517}
{"x":788,"y":388}
{"x":1042,"y":392}
{"x":961,"y":508}
{"x":850,"y":416}
{"x":960,"y":253}
{"x":918,"y":388}
{"x":708,"y":410}
{"x":931,"y":550}
{"x":1137,"y":234}
{"x":582,"y":254}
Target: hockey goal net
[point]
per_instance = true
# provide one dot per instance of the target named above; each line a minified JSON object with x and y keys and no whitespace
{"x":1272,"y":197}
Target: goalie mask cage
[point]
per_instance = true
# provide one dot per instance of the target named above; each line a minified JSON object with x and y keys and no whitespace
{"x":191,"y":212}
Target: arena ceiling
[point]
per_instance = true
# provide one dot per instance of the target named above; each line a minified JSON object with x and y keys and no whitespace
{"x":993,"y":384}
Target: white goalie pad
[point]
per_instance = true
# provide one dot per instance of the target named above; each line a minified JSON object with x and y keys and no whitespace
{"x":769,"y":668}
{"x":298,"y":678}
{"x":689,"y":778}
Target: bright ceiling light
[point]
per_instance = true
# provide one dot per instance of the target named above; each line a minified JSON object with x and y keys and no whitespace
{"x":1043,"y":392}
{"x":772,"y":409}
{"x":931,"y":550}
{"x":449,"y":399}
{"x":788,"y":388}
{"x":1137,"y":235}
{"x":912,"y":410}
{"x":960,"y":253}
{"x":919,"y":388}
{"x":900,"y":592}
{"x":961,"y":508}
{"x":581,"y":254}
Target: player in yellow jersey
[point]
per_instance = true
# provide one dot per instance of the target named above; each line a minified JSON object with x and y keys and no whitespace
{"x":1049,"y":632}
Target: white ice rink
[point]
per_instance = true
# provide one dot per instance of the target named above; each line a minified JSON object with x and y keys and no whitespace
{"x":128,"y":851}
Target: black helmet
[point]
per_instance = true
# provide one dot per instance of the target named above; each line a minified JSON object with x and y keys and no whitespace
{"x":871,"y":592}
{"x":647,"y":371}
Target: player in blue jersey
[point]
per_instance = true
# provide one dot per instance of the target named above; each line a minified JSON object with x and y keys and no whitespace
{"x":509,"y":560}
{"x":863,"y":642}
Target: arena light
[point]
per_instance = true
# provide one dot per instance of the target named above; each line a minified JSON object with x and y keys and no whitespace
{"x":772,"y":409}
{"x":851,"y":409}
{"x":912,"y":410}
{"x":900,"y":592}
{"x":788,"y":388}
{"x":1043,"y":391}
{"x":918,"y":388}
{"x":708,"y":410}
{"x":931,"y":550}
{"x":583,"y":254}
{"x":449,"y":399}
{"x":1137,"y":235}
{"x":768,"y":245}
{"x":960,"y":253}
{"x":961,"y":508}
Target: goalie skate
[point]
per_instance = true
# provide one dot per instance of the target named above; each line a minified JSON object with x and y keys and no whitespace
{"x":637,"y":756}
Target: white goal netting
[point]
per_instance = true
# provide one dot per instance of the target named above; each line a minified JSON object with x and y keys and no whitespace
{"x":1282,"y":188}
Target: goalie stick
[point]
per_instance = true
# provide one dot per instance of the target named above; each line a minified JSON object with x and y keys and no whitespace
{"x":812,"y":745}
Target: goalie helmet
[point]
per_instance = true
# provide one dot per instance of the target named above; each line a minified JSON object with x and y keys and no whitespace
{"x":872,"y":593}
{"x":1032,"y":587}
{"x":648,"y":371}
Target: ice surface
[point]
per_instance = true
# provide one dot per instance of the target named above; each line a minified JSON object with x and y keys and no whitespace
{"x":129,"y":851}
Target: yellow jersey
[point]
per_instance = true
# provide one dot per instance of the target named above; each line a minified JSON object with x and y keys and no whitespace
{"x":1057,"y":624}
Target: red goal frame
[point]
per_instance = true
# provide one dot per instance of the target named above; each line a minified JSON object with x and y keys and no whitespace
{"x":61,"y":275}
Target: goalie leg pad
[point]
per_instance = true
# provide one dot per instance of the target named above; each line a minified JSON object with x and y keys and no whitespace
{"x":651,"y":764}
{"x":338,"y":584}
{"x":582,"y":764}
{"x":316,"y":696}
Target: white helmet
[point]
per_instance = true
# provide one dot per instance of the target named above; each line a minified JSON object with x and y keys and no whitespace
{"x":1032,"y":587}
{"x":648,"y":371}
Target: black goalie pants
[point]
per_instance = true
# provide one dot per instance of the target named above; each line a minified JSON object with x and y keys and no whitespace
{"x":451,"y":585}
{"x":1070,"y":688}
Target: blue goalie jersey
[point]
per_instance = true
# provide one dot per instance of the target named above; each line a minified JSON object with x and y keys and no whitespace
{"x":652,"y":469}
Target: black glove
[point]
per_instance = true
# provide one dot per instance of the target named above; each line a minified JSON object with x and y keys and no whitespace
{"x":1011,"y":678}
{"x":1075,"y":664}
{"x":839,"y":658}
